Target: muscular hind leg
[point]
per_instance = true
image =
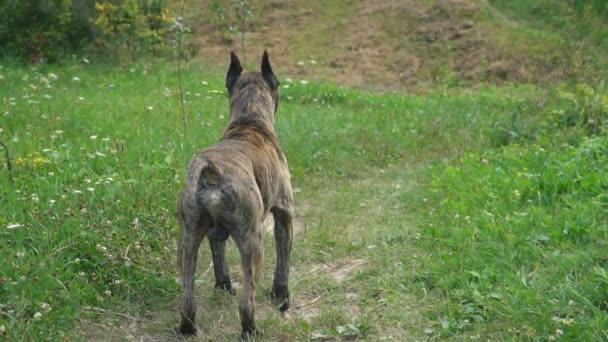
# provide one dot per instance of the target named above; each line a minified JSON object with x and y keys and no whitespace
{"x":252,"y":256}
{"x":283,"y":235}
{"x":187,"y":255}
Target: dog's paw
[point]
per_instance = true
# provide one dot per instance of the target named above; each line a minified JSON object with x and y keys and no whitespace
{"x":250,"y":335}
{"x":186,"y":330}
{"x":225,"y":286}
{"x":280,"y":295}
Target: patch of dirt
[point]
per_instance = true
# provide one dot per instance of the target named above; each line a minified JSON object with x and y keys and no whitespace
{"x":370,"y":43}
{"x":340,"y":270}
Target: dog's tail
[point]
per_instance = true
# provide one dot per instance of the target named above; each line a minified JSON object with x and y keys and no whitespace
{"x":213,"y":192}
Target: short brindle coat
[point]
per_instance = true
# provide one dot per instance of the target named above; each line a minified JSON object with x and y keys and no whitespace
{"x":229,"y":190}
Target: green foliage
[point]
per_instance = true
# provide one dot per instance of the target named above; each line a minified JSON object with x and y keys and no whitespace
{"x":136,"y":26}
{"x":232,"y":17}
{"x":520,"y":233}
{"x":48,"y":30}
{"x":478,"y":234}
{"x":33,"y":30}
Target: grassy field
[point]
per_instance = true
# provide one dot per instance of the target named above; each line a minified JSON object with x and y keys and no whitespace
{"x":456,"y":215}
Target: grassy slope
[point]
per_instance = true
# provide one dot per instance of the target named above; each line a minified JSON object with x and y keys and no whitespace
{"x":369,"y":169}
{"x":414,"y":44}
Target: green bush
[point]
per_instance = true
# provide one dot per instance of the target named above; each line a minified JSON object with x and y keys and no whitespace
{"x":33,"y":30}
{"x":134,"y":26}
{"x":46,"y":30}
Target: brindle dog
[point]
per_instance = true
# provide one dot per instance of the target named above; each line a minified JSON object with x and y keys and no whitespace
{"x":230,"y":188}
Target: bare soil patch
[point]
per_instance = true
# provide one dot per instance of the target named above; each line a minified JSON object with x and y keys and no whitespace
{"x":408,"y":44}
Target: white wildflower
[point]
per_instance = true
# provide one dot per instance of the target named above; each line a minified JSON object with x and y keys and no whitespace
{"x":45,"y":307}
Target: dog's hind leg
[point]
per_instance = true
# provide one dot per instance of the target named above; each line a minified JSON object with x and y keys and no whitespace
{"x":220,"y":267}
{"x":252,"y":256}
{"x":283,"y":235}
{"x":187,"y":255}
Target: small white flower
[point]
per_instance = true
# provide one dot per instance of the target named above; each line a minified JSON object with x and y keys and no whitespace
{"x":53,"y":76}
{"x":76,"y":79}
{"x":85,"y":60}
{"x":20,"y":254}
{"x":59,"y":132}
{"x":149,"y":108}
{"x":93,"y":137}
{"x":80,"y":98}
{"x":45,"y":307}
{"x":204,"y":82}
{"x":300,"y":63}
{"x":77,"y":191}
{"x":87,"y":180}
{"x":108,"y":293}
{"x":106,"y":139}
{"x":303,"y":82}
{"x":37,"y":315}
{"x":51,"y":202}
{"x":91,"y":189}
{"x":99,"y":154}
{"x":13,"y":225}
{"x":2,"y":329}
{"x":81,"y":274}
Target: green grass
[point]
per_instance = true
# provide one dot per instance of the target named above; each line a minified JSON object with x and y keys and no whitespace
{"x":404,"y":232}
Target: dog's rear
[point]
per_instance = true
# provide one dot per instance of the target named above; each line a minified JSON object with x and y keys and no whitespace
{"x":229,"y":190}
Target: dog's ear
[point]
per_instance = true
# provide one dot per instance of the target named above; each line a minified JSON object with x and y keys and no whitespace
{"x":234,"y":71}
{"x":267,"y":73}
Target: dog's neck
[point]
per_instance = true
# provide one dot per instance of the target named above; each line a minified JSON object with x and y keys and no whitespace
{"x":252,"y":103}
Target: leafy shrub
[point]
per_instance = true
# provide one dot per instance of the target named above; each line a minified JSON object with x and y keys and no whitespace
{"x":33,"y":30}
{"x":131,"y":25}
{"x":45,"y":30}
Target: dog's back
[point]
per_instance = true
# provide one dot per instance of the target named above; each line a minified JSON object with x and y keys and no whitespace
{"x":243,"y":169}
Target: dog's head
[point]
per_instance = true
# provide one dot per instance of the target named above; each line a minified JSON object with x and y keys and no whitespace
{"x":238,"y":81}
